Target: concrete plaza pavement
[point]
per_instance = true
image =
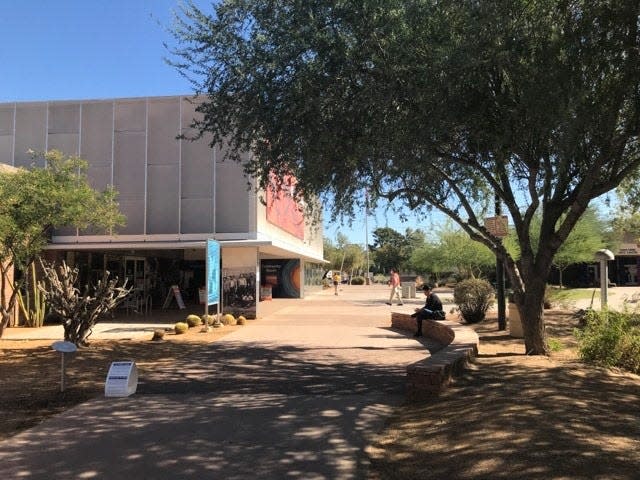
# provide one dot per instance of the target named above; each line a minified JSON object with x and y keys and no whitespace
{"x":297,"y":394}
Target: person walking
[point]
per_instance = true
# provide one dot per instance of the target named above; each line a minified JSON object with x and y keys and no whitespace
{"x":336,"y":281}
{"x":394,"y":281}
{"x":432,"y":309}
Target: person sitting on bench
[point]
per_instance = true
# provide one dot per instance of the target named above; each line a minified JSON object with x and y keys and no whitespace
{"x":432,"y":309}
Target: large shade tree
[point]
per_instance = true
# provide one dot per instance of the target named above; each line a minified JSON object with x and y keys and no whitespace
{"x":443,"y":104}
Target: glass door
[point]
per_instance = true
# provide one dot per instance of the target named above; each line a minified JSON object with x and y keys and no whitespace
{"x":135,"y":269}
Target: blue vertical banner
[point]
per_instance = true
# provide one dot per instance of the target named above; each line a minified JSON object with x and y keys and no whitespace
{"x":213,"y":272}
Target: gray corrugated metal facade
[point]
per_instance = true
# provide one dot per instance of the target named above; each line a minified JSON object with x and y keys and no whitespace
{"x":165,"y":185}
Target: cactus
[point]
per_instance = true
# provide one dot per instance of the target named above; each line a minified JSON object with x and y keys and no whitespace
{"x":241,"y":320}
{"x":32,"y":303}
{"x":180,"y":328}
{"x":228,"y":319}
{"x":193,"y":320}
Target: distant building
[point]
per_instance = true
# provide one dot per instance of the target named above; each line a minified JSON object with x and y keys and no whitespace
{"x":623,"y":269}
{"x":175,"y":194}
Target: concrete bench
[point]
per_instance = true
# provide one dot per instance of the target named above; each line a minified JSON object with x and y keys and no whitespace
{"x":433,"y":374}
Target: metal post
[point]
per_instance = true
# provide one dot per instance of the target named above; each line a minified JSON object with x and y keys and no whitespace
{"x":62,"y":372}
{"x":502,"y":321}
{"x":604,"y":256}
{"x":366,"y":234}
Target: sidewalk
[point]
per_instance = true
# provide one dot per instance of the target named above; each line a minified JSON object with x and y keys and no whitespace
{"x":297,"y":394}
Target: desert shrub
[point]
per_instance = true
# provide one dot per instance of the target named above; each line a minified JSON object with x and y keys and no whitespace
{"x":193,"y":321}
{"x":379,"y":278}
{"x":241,"y":320}
{"x":180,"y":328}
{"x":554,"y":344}
{"x":610,"y":339}
{"x":228,"y":319}
{"x":473,"y":297}
{"x":357,"y":281}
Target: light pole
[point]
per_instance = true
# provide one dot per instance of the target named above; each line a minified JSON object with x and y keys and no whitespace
{"x":603,"y":256}
{"x":366,"y":232}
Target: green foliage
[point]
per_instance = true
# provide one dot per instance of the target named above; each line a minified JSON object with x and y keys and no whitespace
{"x":180,"y":328}
{"x":427,"y":260}
{"x":555,"y":345}
{"x":585,"y":239}
{"x":469,"y":257}
{"x":473,"y":297}
{"x":568,"y":296}
{"x":611,"y":339}
{"x":391,"y":249}
{"x":193,"y":321}
{"x":357,"y":281}
{"x":38,"y":200}
{"x":332,"y":253}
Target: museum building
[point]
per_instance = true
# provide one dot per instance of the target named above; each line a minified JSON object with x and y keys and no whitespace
{"x":176,"y":194}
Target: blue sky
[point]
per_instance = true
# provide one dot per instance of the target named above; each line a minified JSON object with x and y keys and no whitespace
{"x":92,"y":49}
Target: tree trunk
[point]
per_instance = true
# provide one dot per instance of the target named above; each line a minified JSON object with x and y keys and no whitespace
{"x":531,"y":307}
{"x":5,"y":318}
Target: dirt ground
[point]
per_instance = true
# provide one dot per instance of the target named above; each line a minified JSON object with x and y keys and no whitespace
{"x":30,"y":372}
{"x":513,"y":416}
{"x":509,"y":416}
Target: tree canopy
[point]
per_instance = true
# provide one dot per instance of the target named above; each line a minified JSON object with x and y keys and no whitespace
{"x":36,"y":201}
{"x":392,"y":249}
{"x":458,"y":105}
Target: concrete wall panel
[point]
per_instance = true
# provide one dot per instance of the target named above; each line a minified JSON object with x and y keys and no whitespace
{"x":164,"y":127}
{"x":99,"y":176}
{"x":129,"y":163}
{"x":6,"y":149}
{"x":196,"y":215}
{"x":67,"y":143}
{"x":6,"y":120}
{"x":31,"y":133}
{"x":133,"y":209}
{"x":130,"y":115}
{"x":97,"y":133}
{"x":163,"y":202}
{"x":232,"y":199}
{"x":64,"y":118}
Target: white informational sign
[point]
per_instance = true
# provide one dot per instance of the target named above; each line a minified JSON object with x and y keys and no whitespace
{"x":122,"y":379}
{"x":64,"y":347}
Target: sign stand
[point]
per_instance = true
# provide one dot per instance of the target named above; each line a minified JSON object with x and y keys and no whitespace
{"x":212,"y":286}
{"x":174,"y":292}
{"x":122,"y":379}
{"x":63,"y":347}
